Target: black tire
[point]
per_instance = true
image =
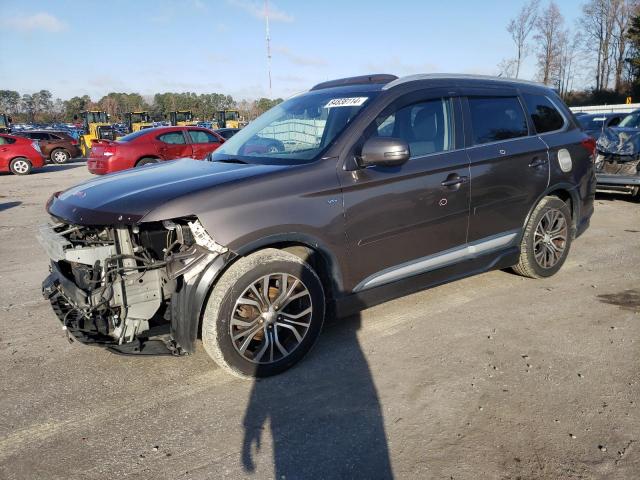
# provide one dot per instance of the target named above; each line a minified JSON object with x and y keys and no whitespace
{"x":20,"y":166}
{"x":59,"y":156}
{"x":536,"y":249}
{"x":146,"y":161}
{"x":236,"y":281}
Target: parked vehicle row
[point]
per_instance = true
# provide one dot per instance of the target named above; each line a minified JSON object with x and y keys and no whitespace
{"x":401,"y":184}
{"x":57,"y":147}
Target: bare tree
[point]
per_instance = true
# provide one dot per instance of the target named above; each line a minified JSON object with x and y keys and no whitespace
{"x":549,"y":35}
{"x":507,"y":68}
{"x":622,"y":21}
{"x":520,"y":28}
{"x":567,"y":64}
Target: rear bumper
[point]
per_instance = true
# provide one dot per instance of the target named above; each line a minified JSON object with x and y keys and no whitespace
{"x":98,"y":166}
{"x":605,"y":180}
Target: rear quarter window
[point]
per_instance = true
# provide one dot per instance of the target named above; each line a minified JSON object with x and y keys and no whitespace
{"x":496,"y":118}
{"x":544,"y":114}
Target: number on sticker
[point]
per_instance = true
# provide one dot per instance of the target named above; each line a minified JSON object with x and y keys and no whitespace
{"x":346,"y":102}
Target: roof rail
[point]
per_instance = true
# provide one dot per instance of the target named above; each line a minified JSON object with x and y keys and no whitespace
{"x":458,"y":76}
{"x":359,"y":80}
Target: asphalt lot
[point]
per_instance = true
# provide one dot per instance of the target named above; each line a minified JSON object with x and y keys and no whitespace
{"x":494,"y":376}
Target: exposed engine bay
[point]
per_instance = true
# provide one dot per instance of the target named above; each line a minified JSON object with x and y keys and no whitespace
{"x":113,"y":285}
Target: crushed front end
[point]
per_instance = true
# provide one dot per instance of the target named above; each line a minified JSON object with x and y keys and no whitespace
{"x":120,"y":286}
{"x":618,"y":161}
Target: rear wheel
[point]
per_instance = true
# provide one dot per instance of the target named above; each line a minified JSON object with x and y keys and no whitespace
{"x":264,"y":314}
{"x":546,"y":240}
{"x":146,"y":161}
{"x":20,"y":166}
{"x":60,"y":156}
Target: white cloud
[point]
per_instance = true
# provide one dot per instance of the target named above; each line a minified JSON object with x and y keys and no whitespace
{"x":258,"y":10}
{"x":297,"y":59}
{"x":38,"y":21}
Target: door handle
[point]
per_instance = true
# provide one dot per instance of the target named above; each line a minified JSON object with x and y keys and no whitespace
{"x":538,"y":162}
{"x":454,"y":180}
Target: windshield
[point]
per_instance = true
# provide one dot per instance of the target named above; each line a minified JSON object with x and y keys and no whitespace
{"x":231,"y":115}
{"x":96,"y":117}
{"x":297,"y":130}
{"x":139,"y":117}
{"x":631,"y":121}
{"x":134,"y":135}
{"x":3,"y":122}
{"x":183,"y":116}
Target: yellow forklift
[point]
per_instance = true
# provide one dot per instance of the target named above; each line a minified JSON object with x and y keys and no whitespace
{"x":228,"y":119}
{"x":96,"y":127}
{"x":136,"y":121}
{"x":183,"y":118}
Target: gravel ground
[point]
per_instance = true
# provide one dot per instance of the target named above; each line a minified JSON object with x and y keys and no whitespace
{"x":493,"y":376}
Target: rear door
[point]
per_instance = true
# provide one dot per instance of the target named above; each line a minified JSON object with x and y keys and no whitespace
{"x":202,"y":142}
{"x":509,"y":165}
{"x":174,"y":144}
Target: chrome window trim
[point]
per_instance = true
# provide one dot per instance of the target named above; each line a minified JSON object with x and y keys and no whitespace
{"x":438,"y":260}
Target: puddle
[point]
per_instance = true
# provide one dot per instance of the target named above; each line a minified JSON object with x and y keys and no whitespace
{"x":627,"y":300}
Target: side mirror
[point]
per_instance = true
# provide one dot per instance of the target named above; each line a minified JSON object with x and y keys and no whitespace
{"x":384,"y":152}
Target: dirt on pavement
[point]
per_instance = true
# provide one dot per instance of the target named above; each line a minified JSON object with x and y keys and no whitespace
{"x":493,"y":376}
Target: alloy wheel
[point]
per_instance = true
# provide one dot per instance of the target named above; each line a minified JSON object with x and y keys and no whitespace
{"x":21,"y":166}
{"x":550,"y":238}
{"x":60,"y":157}
{"x":271,"y":318}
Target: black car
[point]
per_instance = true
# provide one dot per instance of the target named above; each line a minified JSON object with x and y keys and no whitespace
{"x":386,"y":186}
{"x":227,"y":133}
{"x":595,"y":123}
{"x":618,"y":157}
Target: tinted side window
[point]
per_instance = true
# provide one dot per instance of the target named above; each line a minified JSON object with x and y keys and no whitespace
{"x":200,"y":136}
{"x":614,"y":121}
{"x":39,"y":136}
{"x":544,"y":114}
{"x":426,"y":126}
{"x":7,"y":140}
{"x":496,"y":118}
{"x":175,"y":138}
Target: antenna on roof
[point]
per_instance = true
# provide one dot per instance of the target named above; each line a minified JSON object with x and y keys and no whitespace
{"x":268,"y":38}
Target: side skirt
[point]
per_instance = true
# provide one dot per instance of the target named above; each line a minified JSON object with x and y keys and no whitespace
{"x":355,"y":302}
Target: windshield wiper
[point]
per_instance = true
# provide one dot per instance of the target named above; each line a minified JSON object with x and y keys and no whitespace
{"x":231,"y":160}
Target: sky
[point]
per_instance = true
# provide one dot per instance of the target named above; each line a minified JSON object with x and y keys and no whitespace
{"x":206,"y":46}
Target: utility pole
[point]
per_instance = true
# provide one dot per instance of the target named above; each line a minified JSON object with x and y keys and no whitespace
{"x":266,"y":12}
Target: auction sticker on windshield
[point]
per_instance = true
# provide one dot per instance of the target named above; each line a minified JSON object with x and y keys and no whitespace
{"x":346,"y":102}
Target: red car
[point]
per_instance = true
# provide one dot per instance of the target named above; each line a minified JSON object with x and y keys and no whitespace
{"x":19,"y":155}
{"x":151,"y":145}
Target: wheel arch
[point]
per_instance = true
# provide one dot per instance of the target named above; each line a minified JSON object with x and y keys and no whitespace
{"x":156,"y":157}
{"x":188,"y":306}
{"x":565,"y":192}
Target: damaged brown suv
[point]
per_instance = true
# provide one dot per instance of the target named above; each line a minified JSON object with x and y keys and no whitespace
{"x":383,"y":186}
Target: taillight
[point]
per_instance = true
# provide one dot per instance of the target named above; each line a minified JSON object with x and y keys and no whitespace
{"x":109,"y":151}
{"x":74,"y":141}
{"x":589,"y":144}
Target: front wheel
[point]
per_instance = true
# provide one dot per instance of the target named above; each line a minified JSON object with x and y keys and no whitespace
{"x":546,"y":240}
{"x":20,"y":166}
{"x":264,"y":314}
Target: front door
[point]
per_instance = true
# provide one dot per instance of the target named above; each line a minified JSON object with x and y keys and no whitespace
{"x":398,"y":216}
{"x":509,"y":167}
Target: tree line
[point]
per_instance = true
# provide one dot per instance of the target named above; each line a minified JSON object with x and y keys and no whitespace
{"x":601,"y":50}
{"x":41,"y":107}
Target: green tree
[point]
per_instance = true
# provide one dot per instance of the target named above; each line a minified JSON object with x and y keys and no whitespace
{"x":9,"y":101}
